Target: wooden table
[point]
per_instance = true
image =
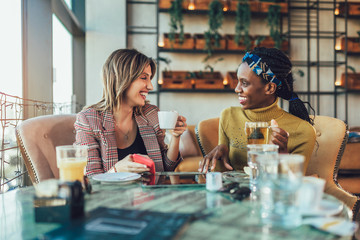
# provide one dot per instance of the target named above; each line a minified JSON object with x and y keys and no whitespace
{"x":227,"y":220}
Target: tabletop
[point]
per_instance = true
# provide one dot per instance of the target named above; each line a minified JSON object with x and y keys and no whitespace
{"x":218,"y":216}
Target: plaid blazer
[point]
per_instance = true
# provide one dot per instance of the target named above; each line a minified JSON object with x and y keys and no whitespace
{"x":97,"y":130}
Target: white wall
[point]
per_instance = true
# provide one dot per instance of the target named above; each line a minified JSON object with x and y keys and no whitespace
{"x":105,"y":32}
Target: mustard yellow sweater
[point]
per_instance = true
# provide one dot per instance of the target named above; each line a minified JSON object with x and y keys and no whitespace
{"x":231,"y":132}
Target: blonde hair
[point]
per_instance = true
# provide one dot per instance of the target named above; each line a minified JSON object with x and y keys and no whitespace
{"x":122,"y":67}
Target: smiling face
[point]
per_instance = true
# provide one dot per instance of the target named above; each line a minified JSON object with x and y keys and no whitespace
{"x":135,"y":95}
{"x":252,"y":92}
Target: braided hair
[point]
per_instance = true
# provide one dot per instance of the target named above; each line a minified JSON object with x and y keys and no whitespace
{"x":281,"y":66}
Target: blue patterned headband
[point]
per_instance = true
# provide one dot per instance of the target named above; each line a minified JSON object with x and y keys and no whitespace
{"x":260,"y":68}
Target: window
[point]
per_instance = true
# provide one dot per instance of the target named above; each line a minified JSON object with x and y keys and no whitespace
{"x":11,"y":48}
{"x":69,"y":3}
{"x":62,"y":67}
{"x":11,"y":84}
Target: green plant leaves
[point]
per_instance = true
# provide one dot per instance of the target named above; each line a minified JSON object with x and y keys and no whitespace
{"x":274,"y":24}
{"x":216,"y":17}
{"x":242,"y":24}
{"x":352,"y":69}
{"x":176,"y":18}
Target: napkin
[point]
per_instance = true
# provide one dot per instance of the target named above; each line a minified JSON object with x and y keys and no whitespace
{"x":334,"y":225}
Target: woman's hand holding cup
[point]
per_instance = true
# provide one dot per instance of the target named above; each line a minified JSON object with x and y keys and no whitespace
{"x":279,"y":137}
{"x":180,"y":126}
{"x":171,"y":120}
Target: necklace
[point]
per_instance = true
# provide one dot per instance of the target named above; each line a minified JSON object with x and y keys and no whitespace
{"x":125,"y":135}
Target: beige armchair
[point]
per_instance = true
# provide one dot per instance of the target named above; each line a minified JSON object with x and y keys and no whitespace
{"x":331,"y":138}
{"x":37,"y":138}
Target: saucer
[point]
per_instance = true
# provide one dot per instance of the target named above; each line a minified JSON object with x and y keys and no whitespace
{"x":326,"y":208}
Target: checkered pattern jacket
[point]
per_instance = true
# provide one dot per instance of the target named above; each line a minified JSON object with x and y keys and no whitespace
{"x":97,"y":130}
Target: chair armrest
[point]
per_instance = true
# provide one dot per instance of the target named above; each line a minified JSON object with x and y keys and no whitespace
{"x":351,"y":201}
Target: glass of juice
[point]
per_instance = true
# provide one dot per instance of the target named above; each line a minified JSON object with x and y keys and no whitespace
{"x":71,"y":161}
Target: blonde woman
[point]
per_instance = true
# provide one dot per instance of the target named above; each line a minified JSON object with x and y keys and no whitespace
{"x":123,"y":122}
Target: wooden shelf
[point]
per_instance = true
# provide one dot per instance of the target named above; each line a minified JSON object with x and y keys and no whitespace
{"x":348,"y":16}
{"x":201,"y":51}
{"x":349,"y":53}
{"x":187,"y":51}
{"x":225,"y":90}
{"x":226,"y":13}
{"x":315,"y":63}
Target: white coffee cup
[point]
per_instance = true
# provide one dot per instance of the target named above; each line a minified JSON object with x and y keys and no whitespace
{"x":310,"y":193}
{"x":167,"y":119}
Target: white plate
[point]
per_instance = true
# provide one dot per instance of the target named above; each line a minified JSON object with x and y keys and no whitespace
{"x":326,"y":208}
{"x":116,"y":177}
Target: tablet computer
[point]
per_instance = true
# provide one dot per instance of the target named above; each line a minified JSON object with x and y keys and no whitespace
{"x":174,"y":179}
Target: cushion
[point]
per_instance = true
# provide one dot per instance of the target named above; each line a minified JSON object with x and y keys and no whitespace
{"x":190,"y":164}
{"x":187,"y":146}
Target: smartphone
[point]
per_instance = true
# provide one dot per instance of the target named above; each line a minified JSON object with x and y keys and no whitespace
{"x":146,"y":161}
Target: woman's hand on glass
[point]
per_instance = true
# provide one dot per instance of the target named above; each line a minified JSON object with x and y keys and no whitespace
{"x":180,"y":126}
{"x":127,"y":164}
{"x":219,"y":153}
{"x":279,"y":137}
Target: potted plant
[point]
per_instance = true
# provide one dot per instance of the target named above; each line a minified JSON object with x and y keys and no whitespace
{"x":353,"y":44}
{"x":254,"y":5}
{"x":242,"y":24}
{"x":187,"y":43}
{"x":265,"y":4}
{"x":174,"y":79}
{"x":202,"y":4}
{"x":166,"y":4}
{"x":167,"y":61}
{"x":210,"y":66}
{"x":216,"y":17}
{"x":268,"y":42}
{"x":176,"y":22}
{"x":352,"y":81}
{"x":209,"y":79}
{"x":353,"y":8}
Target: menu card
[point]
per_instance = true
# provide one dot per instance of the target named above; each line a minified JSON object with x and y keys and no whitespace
{"x":108,"y":223}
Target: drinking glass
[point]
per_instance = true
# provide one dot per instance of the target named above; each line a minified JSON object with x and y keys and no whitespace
{"x":280,"y":180}
{"x":71,"y":161}
{"x":257,"y":132}
{"x":270,"y":151}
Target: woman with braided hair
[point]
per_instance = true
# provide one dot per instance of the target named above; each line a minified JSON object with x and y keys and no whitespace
{"x":263,"y":76}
